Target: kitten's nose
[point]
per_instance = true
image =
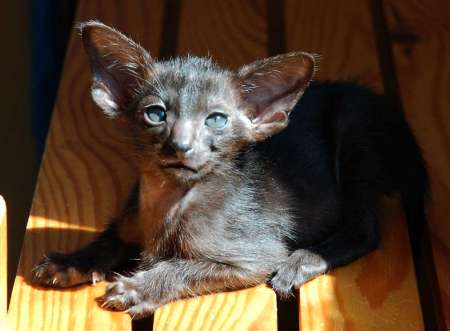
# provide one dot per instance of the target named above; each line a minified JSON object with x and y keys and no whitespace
{"x":182,"y":137}
{"x":181,"y":146}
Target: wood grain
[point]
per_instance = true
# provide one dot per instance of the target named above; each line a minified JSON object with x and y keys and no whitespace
{"x":341,"y":33}
{"x":250,"y":309}
{"x":83,"y":181}
{"x":420,"y":33}
{"x":379,"y":290}
{"x":233,"y":40}
{"x":3,"y":264}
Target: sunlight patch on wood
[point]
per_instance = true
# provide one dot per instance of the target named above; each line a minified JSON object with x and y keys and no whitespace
{"x":37,"y":222}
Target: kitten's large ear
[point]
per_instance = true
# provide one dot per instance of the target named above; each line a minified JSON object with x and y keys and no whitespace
{"x":270,"y":88}
{"x":119,"y":66}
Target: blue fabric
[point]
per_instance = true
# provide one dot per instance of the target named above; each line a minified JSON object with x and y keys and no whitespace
{"x":50,"y":22}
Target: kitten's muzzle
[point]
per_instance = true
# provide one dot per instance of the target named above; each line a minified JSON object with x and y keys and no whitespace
{"x":181,"y":166}
{"x":183,"y":147}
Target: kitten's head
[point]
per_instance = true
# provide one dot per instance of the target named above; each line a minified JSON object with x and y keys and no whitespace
{"x":188,"y":116}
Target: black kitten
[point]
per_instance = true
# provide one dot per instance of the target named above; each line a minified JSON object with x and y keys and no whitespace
{"x":230,"y":195}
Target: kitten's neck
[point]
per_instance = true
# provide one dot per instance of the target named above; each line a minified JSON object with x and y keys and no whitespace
{"x":161,"y":189}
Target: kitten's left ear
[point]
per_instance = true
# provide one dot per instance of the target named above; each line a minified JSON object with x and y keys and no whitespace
{"x":119,"y":66}
{"x":270,"y":89}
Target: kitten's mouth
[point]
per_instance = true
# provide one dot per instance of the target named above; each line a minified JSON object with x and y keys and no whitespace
{"x":179,"y":166}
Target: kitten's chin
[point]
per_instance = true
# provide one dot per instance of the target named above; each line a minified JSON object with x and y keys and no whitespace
{"x":185,"y":174}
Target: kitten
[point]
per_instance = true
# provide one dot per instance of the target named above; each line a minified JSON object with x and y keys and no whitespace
{"x":230,"y":195}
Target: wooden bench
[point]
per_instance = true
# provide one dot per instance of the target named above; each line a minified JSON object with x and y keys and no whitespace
{"x":86,"y":175}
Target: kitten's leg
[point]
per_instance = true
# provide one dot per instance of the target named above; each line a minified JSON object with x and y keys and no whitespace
{"x":92,"y":262}
{"x":358,"y":234}
{"x":174,"y":279}
{"x":351,"y":242}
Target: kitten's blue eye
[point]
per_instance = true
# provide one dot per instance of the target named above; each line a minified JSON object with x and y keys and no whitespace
{"x":216,"y":120}
{"x":155,"y":114}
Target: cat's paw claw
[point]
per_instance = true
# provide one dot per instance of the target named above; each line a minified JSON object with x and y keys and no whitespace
{"x":97,"y":277}
{"x":51,"y":274}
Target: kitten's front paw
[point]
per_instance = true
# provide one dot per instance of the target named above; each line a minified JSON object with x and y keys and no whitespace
{"x":52,"y":272}
{"x":283,"y":282}
{"x":126,"y":294}
{"x":300,"y":267}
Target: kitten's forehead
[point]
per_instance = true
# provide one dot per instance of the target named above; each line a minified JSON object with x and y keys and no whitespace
{"x":192,"y":66}
{"x":194,"y":80}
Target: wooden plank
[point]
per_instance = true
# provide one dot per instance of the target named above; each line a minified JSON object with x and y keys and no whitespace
{"x":378,"y":291}
{"x":3,"y":264}
{"x":84,"y":179}
{"x":342,"y":35}
{"x":233,"y":40}
{"x":249,"y":309}
{"x":375,"y":292}
{"x":420,"y":34}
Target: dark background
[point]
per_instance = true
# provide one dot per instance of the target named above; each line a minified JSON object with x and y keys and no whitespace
{"x":34,"y":35}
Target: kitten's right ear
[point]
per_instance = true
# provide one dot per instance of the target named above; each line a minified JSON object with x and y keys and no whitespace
{"x":270,"y":88}
{"x":119,"y":66}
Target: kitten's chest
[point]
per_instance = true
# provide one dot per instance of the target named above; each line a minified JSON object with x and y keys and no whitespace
{"x":167,"y":221}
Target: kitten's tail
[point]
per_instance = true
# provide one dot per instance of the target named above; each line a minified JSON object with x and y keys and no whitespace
{"x":406,"y":173}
